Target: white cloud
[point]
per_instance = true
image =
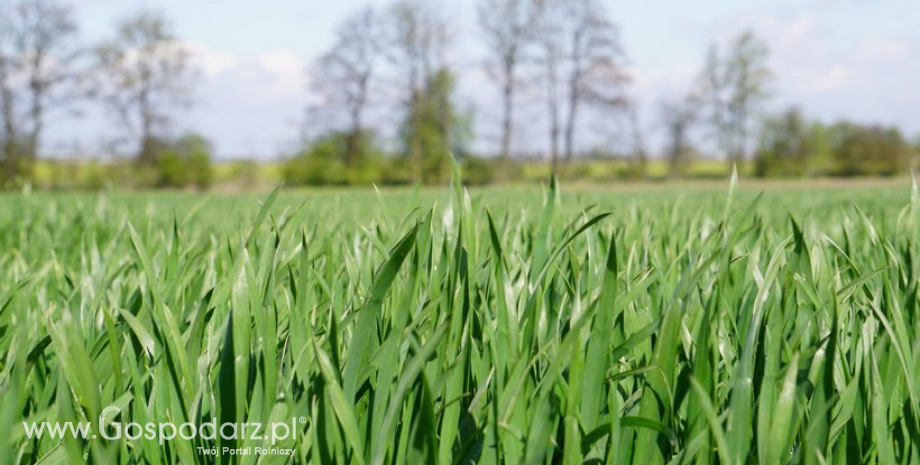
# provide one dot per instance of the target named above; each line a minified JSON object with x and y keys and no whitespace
{"x":885,"y":50}
{"x":833,"y":76}
{"x":212,"y":63}
{"x":287,"y":71}
{"x":267,"y":77}
{"x":819,"y":66}
{"x":248,"y":103}
{"x":825,"y":80}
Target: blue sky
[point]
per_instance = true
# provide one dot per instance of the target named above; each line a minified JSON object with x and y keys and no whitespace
{"x":858,"y":59}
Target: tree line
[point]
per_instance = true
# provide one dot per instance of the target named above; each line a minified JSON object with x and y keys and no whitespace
{"x":565,"y":57}
{"x":137,"y":76}
{"x":566,"y":54}
{"x":385,"y":106}
{"x":726,"y":108}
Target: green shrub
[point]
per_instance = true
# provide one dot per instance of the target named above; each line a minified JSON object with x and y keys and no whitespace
{"x":170,"y":170}
{"x":200,"y":172}
{"x":477,"y":171}
{"x":318,"y":164}
{"x":322,"y":162}
{"x":787,"y":143}
{"x":869,"y":150}
{"x":185,"y":162}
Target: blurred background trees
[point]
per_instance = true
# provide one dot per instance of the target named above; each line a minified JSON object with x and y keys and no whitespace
{"x":185,"y":162}
{"x":320,"y":161}
{"x":141,"y":74}
{"x":39,"y":74}
{"x":344,"y":78}
{"x":417,"y":41}
{"x":787,"y":142}
{"x":580,"y":60}
{"x":732,"y":92}
{"x":386,"y":107}
{"x":868,"y":150}
{"x":509,"y":33}
{"x":138,"y":76}
{"x":678,"y":118}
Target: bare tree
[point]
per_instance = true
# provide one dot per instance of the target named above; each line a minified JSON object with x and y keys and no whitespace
{"x":8,"y":132}
{"x":416,"y":44}
{"x":509,"y":30}
{"x":142,"y":72}
{"x":581,"y":64}
{"x":343,"y":76}
{"x":38,"y":55}
{"x":551,"y":57}
{"x":678,"y":118}
{"x":639,"y":153}
{"x":733,"y":90}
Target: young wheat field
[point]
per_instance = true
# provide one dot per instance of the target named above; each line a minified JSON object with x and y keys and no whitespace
{"x":453,"y":327}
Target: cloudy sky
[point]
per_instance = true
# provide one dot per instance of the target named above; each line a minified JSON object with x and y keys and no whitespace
{"x":855,"y":59}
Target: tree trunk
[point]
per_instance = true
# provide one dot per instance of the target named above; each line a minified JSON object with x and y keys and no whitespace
{"x":354,"y":138}
{"x":639,"y":153}
{"x":507,"y":115}
{"x":552,"y":98}
{"x":30,"y":151}
{"x":446,"y":123}
{"x":415,"y":139}
{"x":570,"y":129}
{"x":148,"y":152}
{"x":357,"y":123}
{"x":574,"y":95}
{"x":148,"y":149}
{"x":554,"y":141}
{"x":351,"y":147}
{"x":10,"y":168}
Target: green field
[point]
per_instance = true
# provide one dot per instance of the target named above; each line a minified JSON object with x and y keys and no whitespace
{"x":514,"y":325}
{"x":243,"y":175}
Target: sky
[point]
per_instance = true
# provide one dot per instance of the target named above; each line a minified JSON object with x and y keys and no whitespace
{"x":853,"y":59}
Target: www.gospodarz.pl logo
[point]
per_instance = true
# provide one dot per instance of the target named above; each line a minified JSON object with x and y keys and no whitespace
{"x":162,"y":432}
